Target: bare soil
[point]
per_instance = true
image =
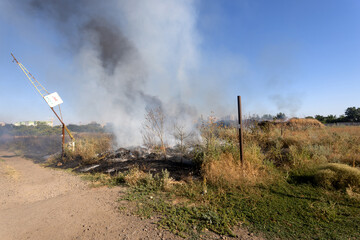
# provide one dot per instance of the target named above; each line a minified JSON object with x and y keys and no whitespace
{"x":43,"y":203}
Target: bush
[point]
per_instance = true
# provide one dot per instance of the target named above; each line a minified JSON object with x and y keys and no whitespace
{"x":338,"y":176}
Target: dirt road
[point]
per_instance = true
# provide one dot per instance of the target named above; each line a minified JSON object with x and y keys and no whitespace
{"x":42,"y":203}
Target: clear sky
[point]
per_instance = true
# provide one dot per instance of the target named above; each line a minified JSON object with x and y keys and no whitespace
{"x":301,"y":57}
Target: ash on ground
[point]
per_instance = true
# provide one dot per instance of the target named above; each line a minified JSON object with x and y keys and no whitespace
{"x":179,"y":165}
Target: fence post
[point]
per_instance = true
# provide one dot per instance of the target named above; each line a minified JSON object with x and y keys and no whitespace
{"x":240,"y":131}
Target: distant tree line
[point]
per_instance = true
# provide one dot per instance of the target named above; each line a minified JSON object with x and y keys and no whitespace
{"x":252,"y":118}
{"x":91,"y":127}
{"x":267,"y":117}
{"x":352,"y":114}
{"x":43,"y":129}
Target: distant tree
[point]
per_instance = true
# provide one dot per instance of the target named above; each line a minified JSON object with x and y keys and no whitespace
{"x":331,"y":119}
{"x":320,"y":118}
{"x":280,"y":116}
{"x":353,"y":114}
{"x":342,"y":118}
{"x":309,"y":117}
{"x":91,"y":127}
{"x":254,"y":117}
{"x":267,"y":117}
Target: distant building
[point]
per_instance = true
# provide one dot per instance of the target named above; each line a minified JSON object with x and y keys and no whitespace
{"x":34,"y":123}
{"x":2,"y":124}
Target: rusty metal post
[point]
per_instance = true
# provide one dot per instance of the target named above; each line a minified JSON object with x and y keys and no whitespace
{"x":63,"y":141}
{"x":240,"y":131}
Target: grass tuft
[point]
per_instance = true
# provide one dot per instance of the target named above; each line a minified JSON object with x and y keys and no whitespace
{"x":337,"y":176}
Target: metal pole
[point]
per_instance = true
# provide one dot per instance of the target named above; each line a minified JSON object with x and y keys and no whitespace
{"x":240,"y":131}
{"x":63,"y":140}
{"x":57,"y":116}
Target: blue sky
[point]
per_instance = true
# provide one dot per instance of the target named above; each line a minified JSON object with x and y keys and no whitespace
{"x":298,"y":57}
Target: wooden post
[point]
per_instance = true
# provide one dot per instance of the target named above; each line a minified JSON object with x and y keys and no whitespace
{"x":63,"y":141}
{"x":240,"y":131}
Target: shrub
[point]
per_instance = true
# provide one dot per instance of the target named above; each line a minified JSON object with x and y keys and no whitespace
{"x":137,"y":178}
{"x":338,"y":176}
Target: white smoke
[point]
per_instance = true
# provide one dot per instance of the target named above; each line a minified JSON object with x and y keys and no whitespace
{"x":131,"y":56}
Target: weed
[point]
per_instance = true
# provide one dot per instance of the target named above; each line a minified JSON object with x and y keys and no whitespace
{"x":338,"y":176}
{"x":102,"y":179}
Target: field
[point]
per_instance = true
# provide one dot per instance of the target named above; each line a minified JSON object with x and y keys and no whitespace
{"x":295,"y":183}
{"x":298,"y":181}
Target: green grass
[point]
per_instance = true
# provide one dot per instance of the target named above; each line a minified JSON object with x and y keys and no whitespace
{"x":285,"y":211}
{"x":303,"y":212}
{"x":102,"y":179}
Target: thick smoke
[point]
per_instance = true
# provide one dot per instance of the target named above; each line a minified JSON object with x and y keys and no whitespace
{"x":133,"y":56}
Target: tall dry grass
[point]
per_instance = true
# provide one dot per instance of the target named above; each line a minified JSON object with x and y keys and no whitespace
{"x":277,"y":151}
{"x":88,"y":146}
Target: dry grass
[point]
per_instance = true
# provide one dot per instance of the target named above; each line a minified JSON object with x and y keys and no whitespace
{"x":292,"y":124}
{"x":306,"y":143}
{"x":134,"y":176}
{"x":226,"y":171}
{"x":276,"y":190}
{"x":303,"y":123}
{"x":9,"y":171}
{"x":338,"y":176}
{"x":88,"y":146}
{"x":353,"y":193}
{"x":138,"y":178}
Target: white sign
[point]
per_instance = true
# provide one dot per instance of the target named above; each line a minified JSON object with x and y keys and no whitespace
{"x":53,"y":99}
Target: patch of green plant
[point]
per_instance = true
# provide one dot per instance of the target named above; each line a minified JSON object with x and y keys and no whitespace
{"x":184,"y":220}
{"x":285,"y":211}
{"x":102,"y":179}
{"x":303,"y":212}
{"x":333,"y":176}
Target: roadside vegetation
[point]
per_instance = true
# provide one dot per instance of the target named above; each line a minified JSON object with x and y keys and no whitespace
{"x":299,"y":180}
{"x":42,"y":129}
